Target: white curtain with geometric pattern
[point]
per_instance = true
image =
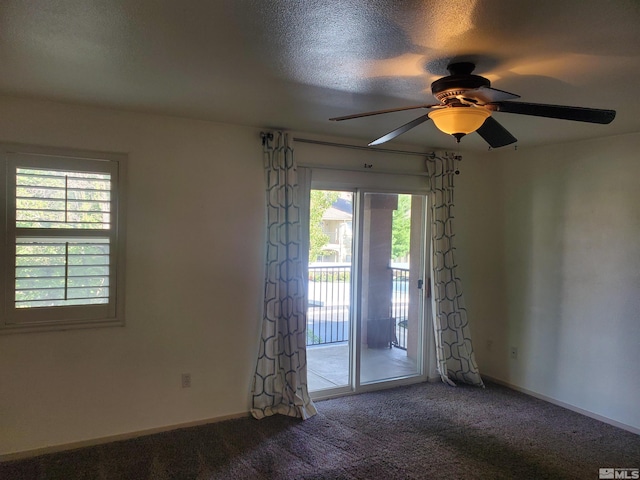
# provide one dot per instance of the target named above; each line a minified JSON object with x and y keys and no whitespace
{"x":454,"y":350}
{"x":280,"y":382}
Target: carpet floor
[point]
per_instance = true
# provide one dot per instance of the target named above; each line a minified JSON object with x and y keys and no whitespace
{"x":425,"y":431}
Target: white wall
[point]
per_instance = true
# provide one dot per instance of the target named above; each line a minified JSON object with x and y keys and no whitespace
{"x":193,"y":293}
{"x":570,"y":274}
{"x":194,"y":273}
{"x":547,"y":245}
{"x":479,"y":246}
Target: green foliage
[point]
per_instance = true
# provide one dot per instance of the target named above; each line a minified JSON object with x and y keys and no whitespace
{"x":401,"y":232}
{"x":313,"y":339}
{"x":321,"y":200}
{"x":53,"y":199}
{"x":61,"y":272}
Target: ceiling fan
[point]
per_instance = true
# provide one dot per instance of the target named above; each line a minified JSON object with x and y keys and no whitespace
{"x":467,"y":102}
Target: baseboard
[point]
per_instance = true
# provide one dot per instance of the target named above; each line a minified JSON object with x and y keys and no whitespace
{"x":568,"y":406}
{"x":7,"y":457}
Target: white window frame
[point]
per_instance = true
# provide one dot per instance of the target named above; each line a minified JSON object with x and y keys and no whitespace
{"x":14,"y":320}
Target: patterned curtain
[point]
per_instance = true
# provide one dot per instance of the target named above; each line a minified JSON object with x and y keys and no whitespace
{"x":280,"y":384}
{"x":454,"y":350}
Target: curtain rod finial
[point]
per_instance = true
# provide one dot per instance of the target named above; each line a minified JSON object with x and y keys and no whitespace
{"x":266,"y":137}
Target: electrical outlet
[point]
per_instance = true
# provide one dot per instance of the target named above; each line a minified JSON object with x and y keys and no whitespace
{"x":489,"y":345}
{"x":186,"y":380}
{"x":513,"y":353}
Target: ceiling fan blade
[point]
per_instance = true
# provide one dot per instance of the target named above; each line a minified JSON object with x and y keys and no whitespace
{"x":379,"y":112}
{"x":400,"y":130}
{"x":578,"y":114}
{"x":484,"y":95}
{"x":495,"y":134}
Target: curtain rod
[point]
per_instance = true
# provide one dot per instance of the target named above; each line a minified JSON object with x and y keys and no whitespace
{"x":368,"y":149}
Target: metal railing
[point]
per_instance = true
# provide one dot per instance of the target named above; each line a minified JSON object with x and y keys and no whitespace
{"x":329,"y":300}
{"x":400,"y":304}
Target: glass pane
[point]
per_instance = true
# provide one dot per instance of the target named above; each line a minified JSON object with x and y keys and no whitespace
{"x":391,"y":303}
{"x":62,"y":199}
{"x":61,"y":271}
{"x":330,"y":270}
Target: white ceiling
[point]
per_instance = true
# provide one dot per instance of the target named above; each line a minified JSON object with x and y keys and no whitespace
{"x":292,"y":64}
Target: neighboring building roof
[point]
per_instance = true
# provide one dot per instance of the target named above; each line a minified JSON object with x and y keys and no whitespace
{"x":331,"y":247}
{"x":333,"y":213}
{"x":343,"y":205}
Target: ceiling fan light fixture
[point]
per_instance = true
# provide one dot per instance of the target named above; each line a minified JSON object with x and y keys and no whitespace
{"x":459,"y":121}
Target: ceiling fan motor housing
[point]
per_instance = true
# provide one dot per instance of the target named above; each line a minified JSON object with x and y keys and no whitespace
{"x":451,"y":87}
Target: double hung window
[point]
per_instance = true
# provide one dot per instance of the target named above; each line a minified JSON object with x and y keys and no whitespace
{"x":63,"y":240}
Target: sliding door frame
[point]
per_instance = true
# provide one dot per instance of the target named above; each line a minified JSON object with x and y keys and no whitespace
{"x":423,"y":354}
{"x":424,"y":360}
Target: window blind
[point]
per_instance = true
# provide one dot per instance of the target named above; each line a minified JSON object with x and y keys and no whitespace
{"x":61,"y":270}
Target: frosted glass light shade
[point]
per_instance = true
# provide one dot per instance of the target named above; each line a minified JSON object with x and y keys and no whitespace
{"x":459,"y":120}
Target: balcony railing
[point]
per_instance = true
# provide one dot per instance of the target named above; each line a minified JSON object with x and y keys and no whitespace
{"x":329,"y":304}
{"x":400,"y":304}
{"x":329,"y":300}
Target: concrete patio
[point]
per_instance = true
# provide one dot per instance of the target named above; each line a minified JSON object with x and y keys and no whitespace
{"x":328,"y":365}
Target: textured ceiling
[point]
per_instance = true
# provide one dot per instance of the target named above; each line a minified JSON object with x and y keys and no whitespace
{"x":294,"y":63}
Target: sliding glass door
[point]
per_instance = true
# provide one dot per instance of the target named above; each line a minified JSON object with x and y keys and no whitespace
{"x":391,"y":287}
{"x":366,"y":296}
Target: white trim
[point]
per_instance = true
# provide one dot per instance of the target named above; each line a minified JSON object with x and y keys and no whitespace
{"x":329,"y":178}
{"x":348,"y":169}
{"x":562,"y":404}
{"x":24,"y":454}
{"x":366,"y":170}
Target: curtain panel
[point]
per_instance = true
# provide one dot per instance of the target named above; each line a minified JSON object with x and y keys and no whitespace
{"x":454,"y":350}
{"x":280,"y":382}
